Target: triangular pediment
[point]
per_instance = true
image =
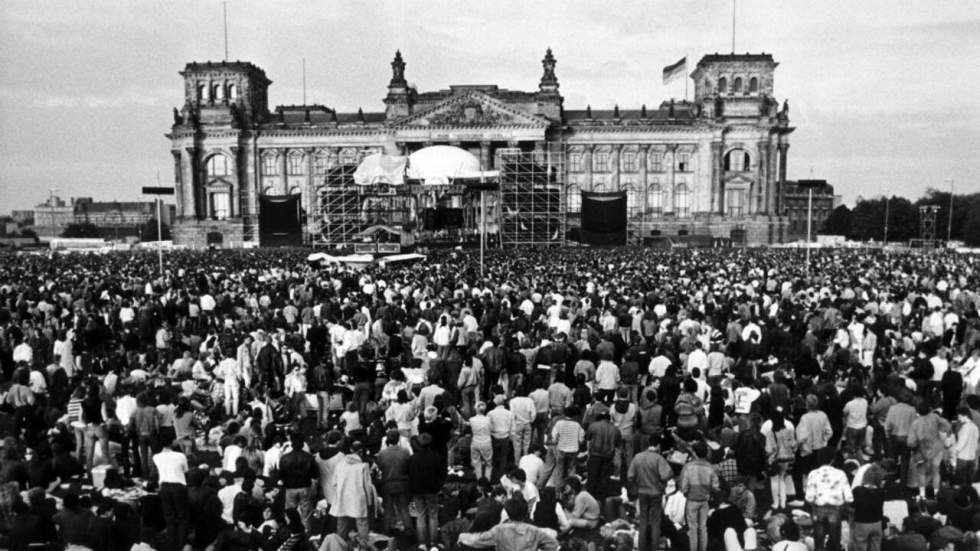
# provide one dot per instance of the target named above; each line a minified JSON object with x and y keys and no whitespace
{"x":472,"y":108}
{"x":738,"y":180}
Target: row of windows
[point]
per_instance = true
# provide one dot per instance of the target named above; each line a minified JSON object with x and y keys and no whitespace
{"x":628,"y":162}
{"x":217,"y":91}
{"x":219,"y":165}
{"x":738,"y":85}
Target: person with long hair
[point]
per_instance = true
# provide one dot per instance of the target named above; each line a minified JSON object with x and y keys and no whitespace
{"x":780,"y":451}
{"x":185,"y":425}
{"x":866,"y":531}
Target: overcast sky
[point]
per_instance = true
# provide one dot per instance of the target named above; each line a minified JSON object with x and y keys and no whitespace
{"x":884,"y":94}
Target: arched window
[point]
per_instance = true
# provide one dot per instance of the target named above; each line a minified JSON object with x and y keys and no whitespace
{"x":737,"y":85}
{"x":218,"y":92}
{"x":575,"y":162}
{"x":202,"y":92}
{"x":232,"y":92}
{"x":707,"y":86}
{"x":655,"y":197}
{"x":217,"y":166}
{"x":270,"y":165}
{"x":737,"y":160}
{"x":722,"y":85}
{"x":295,"y":163}
{"x":682,"y":204}
{"x":753,"y":85}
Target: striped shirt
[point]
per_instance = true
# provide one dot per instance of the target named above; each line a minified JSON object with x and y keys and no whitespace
{"x":74,"y":410}
{"x":567,"y":435}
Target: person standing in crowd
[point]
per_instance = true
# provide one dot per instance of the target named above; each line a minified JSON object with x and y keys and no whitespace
{"x":481,"y":443}
{"x":965,"y":449}
{"x":827,"y":491}
{"x":697,"y":481}
{"x":648,"y":474}
{"x":298,"y":473}
{"x":356,"y":493}
{"x":866,"y":528}
{"x":392,"y":462}
{"x":171,"y":469}
{"x":501,"y":429}
{"x":603,"y":439}
{"x":813,"y":433}
{"x":566,"y":438}
{"x":927,"y":441}
{"x":425,"y":478}
{"x":524,"y":412}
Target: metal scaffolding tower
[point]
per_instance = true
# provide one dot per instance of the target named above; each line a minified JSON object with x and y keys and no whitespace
{"x":927,"y":225}
{"x":532,"y":197}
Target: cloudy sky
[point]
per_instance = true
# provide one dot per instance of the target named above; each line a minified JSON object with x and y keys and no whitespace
{"x":884,"y":94}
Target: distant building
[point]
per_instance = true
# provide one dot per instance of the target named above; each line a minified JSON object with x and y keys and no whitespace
{"x":52,"y":217}
{"x":795,"y":206}
{"x":119,"y":219}
{"x":23,"y":217}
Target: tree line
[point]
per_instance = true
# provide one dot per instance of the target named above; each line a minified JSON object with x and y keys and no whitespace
{"x":866,"y":221}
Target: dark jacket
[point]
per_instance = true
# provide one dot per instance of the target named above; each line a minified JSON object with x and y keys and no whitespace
{"x":750,"y":452}
{"x":297,"y":469}
{"x":426,"y":473}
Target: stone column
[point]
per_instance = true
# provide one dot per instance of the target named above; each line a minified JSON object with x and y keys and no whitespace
{"x":485,"y":156}
{"x":783,"y":149}
{"x":771,"y":160}
{"x":587,"y":158}
{"x":614,"y":159}
{"x":236,"y":179}
{"x":670,"y":183}
{"x":765,"y":190}
{"x":284,"y":169}
{"x":641,"y":164}
{"x":191,"y":193}
{"x":717,"y":171}
{"x":178,"y":183}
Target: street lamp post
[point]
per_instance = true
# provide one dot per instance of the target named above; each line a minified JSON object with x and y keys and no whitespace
{"x":156,"y":192}
{"x":809,"y":185}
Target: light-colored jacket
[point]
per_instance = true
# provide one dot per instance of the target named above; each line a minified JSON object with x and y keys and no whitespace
{"x":352,"y":480}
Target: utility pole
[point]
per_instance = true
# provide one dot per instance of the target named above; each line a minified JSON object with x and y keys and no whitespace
{"x":949,"y":226}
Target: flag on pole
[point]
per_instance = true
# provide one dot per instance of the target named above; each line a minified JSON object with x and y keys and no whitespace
{"x":671,"y":72}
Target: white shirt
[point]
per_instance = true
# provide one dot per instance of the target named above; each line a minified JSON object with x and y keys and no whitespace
{"x":227,"y":497}
{"x":532,"y":465}
{"x":23,"y":353}
{"x":171,"y":466}
{"x":125,"y":408}
{"x":231,"y":455}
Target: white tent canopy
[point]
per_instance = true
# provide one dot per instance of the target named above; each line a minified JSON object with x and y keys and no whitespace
{"x":381,"y":169}
{"x":433,"y":165}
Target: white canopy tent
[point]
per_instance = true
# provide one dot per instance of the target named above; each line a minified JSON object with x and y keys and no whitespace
{"x":433,"y":165}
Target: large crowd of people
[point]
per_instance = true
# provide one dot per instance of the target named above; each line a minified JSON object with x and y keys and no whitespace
{"x":555,"y":399}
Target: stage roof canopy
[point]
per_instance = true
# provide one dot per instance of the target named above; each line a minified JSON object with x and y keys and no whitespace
{"x":433,"y":165}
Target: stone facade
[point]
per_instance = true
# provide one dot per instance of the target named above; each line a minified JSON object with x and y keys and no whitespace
{"x":715,"y":165}
{"x":796,"y":202}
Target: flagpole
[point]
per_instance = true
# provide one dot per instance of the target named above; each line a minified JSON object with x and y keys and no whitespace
{"x":733,"y":26}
